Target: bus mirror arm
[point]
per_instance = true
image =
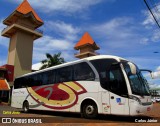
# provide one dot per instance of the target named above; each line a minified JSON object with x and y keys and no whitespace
{"x":151,"y":73}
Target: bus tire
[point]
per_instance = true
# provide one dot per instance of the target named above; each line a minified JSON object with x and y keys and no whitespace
{"x":89,"y":110}
{"x":25,"y":107}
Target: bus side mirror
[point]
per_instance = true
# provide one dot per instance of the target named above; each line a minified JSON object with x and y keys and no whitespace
{"x":151,"y":73}
{"x":132,"y":68}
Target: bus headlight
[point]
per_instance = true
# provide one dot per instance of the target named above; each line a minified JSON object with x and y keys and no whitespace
{"x":136,"y":99}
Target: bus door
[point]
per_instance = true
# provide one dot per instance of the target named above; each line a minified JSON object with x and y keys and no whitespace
{"x":117,"y":91}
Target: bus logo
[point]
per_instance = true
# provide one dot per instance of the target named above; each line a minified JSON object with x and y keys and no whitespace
{"x":56,"y":96}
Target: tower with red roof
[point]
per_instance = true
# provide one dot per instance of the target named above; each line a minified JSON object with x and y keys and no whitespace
{"x":22,"y":30}
{"x":86,"y":47}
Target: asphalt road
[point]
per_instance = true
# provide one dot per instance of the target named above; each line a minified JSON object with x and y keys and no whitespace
{"x":47,"y":117}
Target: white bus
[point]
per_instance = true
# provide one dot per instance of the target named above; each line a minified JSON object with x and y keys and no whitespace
{"x":96,"y":85}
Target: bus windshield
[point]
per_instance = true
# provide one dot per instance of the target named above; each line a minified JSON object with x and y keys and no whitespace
{"x":138,"y":83}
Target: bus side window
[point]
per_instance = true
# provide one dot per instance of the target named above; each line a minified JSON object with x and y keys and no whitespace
{"x":51,"y":77}
{"x":24,"y":82}
{"x":17,"y":83}
{"x":117,"y":82}
{"x":29,"y":82}
{"x":36,"y":80}
{"x":20,"y":83}
{"x":102,"y":65}
{"x":39,"y":79}
{"x":82,"y":71}
{"x":64,"y":74}
{"x":44,"y":78}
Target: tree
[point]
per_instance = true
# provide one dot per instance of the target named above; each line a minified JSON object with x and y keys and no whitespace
{"x":54,"y":60}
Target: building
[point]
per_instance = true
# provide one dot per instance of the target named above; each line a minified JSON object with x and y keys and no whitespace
{"x":4,"y":86}
{"x":22,"y":29}
{"x":86,"y":47}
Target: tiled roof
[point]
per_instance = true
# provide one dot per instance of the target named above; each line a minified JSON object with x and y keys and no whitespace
{"x":25,"y":8}
{"x":85,"y":40}
{"x":4,"y":85}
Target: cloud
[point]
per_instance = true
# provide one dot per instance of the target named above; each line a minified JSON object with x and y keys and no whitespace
{"x":65,"y":6}
{"x":114,"y":26}
{"x":118,"y":33}
{"x":66,"y":36}
{"x":48,"y":44}
{"x":155,"y":81}
{"x":158,"y":68}
{"x":36,"y":66}
{"x":156,"y":73}
{"x":144,"y":41}
{"x":148,"y":21}
{"x":154,"y":86}
{"x":62,"y":29}
{"x":153,"y":33}
{"x":156,"y":35}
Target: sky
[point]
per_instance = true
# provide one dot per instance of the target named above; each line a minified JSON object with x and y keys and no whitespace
{"x":123,"y":28}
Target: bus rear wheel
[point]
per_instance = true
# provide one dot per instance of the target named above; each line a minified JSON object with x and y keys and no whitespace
{"x":25,"y":106}
{"x":90,"y":110}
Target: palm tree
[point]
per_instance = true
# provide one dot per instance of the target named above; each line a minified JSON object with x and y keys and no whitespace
{"x":54,"y":60}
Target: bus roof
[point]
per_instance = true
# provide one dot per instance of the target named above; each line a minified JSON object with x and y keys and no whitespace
{"x":104,"y":57}
{"x":77,"y":61}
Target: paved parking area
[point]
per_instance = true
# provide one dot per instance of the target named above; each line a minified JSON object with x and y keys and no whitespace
{"x":59,"y":118}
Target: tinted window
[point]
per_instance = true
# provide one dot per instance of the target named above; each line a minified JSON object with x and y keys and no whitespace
{"x":82,"y":71}
{"x":51,"y":77}
{"x":35,"y":80}
{"x":102,"y":65}
{"x":17,"y":83}
{"x":117,"y":82}
{"x":38,"y":79}
{"x":64,"y":74}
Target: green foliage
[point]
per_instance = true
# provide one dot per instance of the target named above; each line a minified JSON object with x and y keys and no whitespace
{"x":54,"y":60}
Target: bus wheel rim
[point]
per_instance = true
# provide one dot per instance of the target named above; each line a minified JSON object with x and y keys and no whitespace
{"x":89,"y":110}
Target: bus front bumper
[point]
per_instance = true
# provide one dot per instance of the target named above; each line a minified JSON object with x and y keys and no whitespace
{"x":139,"y":109}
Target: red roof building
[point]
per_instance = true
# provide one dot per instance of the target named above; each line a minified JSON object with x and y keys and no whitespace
{"x":26,"y":8}
{"x":22,"y":29}
{"x":86,"y":46}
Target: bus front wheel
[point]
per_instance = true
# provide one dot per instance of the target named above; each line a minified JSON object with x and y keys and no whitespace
{"x":90,"y":110}
{"x":25,"y":106}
